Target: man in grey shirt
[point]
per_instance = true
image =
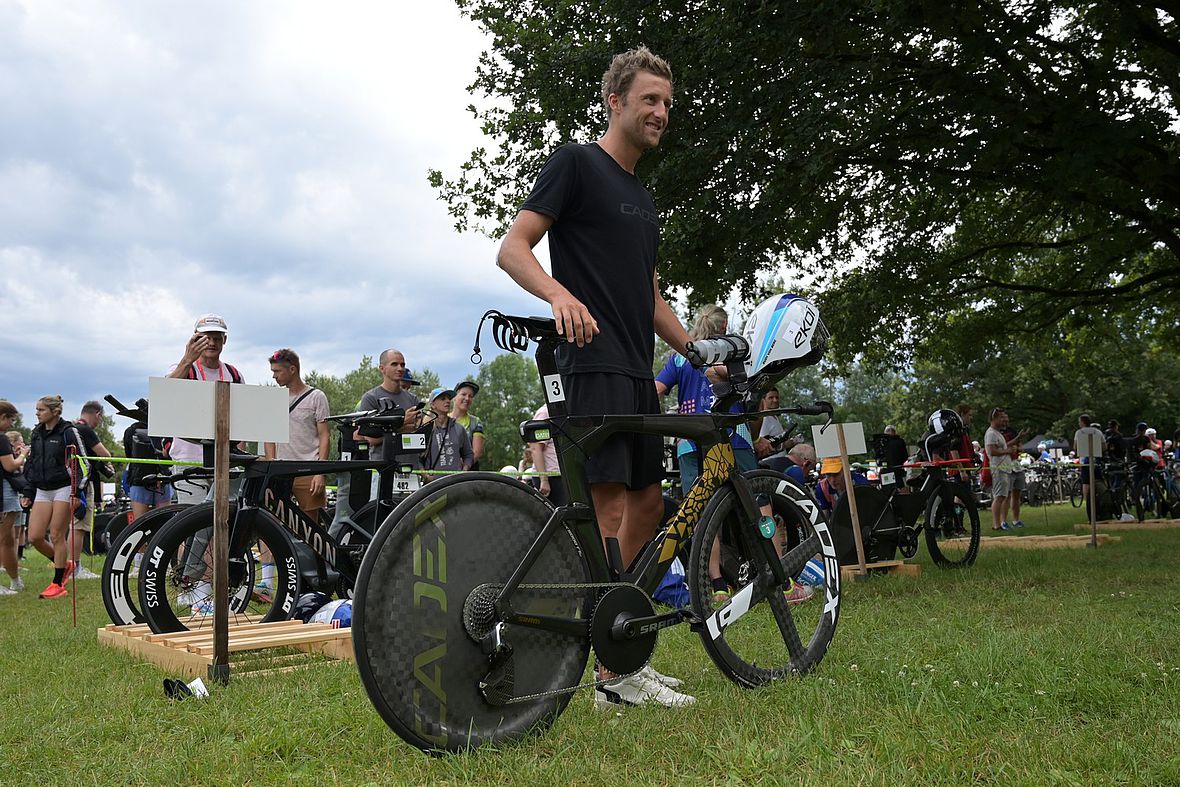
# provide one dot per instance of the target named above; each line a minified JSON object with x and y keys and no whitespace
{"x":393,"y":368}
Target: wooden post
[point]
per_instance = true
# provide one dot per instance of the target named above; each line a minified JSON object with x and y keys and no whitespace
{"x":850,"y":491}
{"x":219,"y":669}
{"x":1093,"y":495}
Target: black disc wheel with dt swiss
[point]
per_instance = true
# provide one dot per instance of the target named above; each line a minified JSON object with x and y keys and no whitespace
{"x":176,"y":575}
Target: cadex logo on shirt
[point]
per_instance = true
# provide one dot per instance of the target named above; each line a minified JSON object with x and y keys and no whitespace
{"x":627,"y":209}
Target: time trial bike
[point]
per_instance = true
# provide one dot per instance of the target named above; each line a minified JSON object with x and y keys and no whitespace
{"x":477,"y":603}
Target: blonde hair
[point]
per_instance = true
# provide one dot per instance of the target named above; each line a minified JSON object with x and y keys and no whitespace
{"x":14,"y":436}
{"x":53,"y":402}
{"x":624,"y":66}
{"x":710,"y":322}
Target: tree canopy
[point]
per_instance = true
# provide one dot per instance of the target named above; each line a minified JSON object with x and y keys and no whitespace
{"x":972,"y":170}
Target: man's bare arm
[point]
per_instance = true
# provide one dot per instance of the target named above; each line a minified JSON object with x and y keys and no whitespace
{"x":516,"y":258}
{"x":667,"y":324}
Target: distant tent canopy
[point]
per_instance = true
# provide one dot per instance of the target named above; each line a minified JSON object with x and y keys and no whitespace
{"x":1051,"y":443}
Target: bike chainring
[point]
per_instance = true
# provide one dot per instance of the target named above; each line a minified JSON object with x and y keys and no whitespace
{"x":907,"y":541}
{"x":617,"y":606}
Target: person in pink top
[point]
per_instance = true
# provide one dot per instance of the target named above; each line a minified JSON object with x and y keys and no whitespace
{"x":545,"y":460}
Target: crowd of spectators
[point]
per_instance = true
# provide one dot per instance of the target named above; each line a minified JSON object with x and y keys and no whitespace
{"x":60,"y":504}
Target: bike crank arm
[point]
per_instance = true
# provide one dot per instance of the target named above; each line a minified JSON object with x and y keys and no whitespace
{"x":634,"y":627}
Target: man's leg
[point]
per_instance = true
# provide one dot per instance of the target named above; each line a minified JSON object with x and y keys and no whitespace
{"x":998,"y":506}
{"x":630,"y":516}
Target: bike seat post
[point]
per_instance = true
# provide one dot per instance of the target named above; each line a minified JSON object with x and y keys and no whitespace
{"x":546,"y":356}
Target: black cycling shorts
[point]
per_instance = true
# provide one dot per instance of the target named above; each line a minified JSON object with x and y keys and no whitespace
{"x":636,"y":460}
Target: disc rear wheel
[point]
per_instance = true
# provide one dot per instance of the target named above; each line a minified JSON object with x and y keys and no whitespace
{"x":425,"y":605}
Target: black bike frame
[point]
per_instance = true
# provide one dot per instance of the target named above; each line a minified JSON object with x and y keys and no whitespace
{"x":577,"y":437}
{"x":258,"y":494}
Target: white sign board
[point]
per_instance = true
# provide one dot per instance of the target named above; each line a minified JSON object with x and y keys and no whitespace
{"x":184,"y":408}
{"x":827,"y":444}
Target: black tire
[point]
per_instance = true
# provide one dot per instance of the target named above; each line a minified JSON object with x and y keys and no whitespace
{"x":757,"y":637}
{"x":120,"y":572}
{"x":952,"y":526}
{"x":1075,"y":493}
{"x":166,"y":574}
{"x":417,"y":660}
{"x":1149,"y":500}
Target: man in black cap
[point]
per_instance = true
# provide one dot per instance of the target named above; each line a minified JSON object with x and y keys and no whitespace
{"x":461,"y":413}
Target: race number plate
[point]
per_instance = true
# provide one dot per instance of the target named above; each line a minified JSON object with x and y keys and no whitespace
{"x":405,"y":483}
{"x":414,"y":442}
{"x":554,"y":392}
{"x":888,"y":478}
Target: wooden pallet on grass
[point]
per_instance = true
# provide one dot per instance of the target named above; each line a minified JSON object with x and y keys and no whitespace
{"x":896,"y":567}
{"x":260,"y":647}
{"x":1043,"y":542}
{"x":1151,"y":524}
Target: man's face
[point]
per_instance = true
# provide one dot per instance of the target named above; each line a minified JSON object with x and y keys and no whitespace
{"x":1000,"y":420}
{"x":393,"y":368}
{"x":770,"y":400}
{"x":283,"y":373}
{"x":643,"y":110}
{"x":967,"y":415}
{"x":463,"y":399}
{"x":211,"y":355}
{"x":837,"y":481}
{"x":43,"y":413}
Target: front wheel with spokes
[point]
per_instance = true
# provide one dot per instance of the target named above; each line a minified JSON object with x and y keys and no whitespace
{"x":766,"y":630}
{"x":952,"y":526}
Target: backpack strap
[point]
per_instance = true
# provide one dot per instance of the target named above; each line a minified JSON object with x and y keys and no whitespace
{"x":302,"y":396}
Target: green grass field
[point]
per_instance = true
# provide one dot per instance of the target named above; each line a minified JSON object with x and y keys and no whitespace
{"x":1034,"y":667}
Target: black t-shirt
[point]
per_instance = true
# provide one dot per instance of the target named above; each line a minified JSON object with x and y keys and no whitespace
{"x":602,"y":245}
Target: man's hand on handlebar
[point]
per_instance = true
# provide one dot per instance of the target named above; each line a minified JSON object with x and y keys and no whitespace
{"x":573,"y":319}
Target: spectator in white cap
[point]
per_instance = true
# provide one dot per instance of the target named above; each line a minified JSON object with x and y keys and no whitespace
{"x":201,"y":361}
{"x":447,"y":445}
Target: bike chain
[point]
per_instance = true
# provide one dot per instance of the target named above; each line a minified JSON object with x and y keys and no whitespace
{"x":469,"y":624}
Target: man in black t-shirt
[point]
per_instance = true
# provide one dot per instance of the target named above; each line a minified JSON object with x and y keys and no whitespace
{"x":603,"y":237}
{"x":86,"y":424}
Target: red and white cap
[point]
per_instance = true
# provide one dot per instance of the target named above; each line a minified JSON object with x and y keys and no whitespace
{"x":210,"y":323}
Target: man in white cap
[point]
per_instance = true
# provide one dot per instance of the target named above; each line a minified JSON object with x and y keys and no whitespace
{"x":201,"y":361}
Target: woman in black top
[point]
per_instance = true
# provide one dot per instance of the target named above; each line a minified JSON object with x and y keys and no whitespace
{"x":11,"y":463}
{"x":48,"y":472}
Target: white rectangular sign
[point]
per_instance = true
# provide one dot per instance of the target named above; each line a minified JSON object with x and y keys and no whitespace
{"x":184,"y":408}
{"x":828,"y":444}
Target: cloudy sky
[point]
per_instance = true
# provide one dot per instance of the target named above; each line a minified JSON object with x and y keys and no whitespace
{"x":265,"y":161}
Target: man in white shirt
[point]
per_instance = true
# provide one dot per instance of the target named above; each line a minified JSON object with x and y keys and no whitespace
{"x":1081,"y":443}
{"x":309,"y":437}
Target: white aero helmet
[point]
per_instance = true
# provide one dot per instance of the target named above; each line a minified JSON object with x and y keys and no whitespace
{"x":785,"y":332}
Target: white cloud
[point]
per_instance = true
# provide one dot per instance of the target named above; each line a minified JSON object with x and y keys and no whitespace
{"x":264,"y":160}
